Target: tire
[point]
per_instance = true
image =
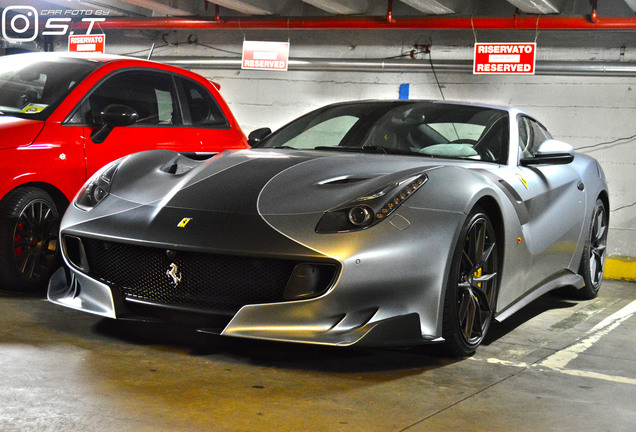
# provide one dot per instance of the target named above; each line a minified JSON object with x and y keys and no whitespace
{"x":593,"y":258}
{"x":471,"y":293}
{"x":29,"y":226}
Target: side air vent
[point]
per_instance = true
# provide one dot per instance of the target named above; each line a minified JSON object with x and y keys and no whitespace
{"x":75,"y":253}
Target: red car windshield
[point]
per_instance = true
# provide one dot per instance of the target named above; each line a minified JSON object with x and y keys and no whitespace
{"x":31,"y":86}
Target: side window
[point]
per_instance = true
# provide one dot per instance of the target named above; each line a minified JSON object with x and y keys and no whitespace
{"x":540,"y":133}
{"x":201,"y":106}
{"x":525,"y":137}
{"x":531,"y":135}
{"x":151,"y":94}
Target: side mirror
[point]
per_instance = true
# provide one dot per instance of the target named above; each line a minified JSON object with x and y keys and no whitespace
{"x":112,"y":116}
{"x":551,"y":152}
{"x":255,"y":137}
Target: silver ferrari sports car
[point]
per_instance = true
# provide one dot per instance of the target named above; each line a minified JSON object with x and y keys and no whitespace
{"x":371,"y":223}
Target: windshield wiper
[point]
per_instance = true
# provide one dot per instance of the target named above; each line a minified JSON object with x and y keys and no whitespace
{"x":365,"y":149}
{"x":375,"y":149}
{"x":338,"y":148}
{"x":385,"y":150}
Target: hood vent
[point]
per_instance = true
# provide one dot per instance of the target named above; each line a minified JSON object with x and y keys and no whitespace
{"x":184,"y":162}
{"x":342,"y":180}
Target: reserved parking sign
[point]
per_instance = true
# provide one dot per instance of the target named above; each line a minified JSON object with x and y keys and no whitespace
{"x":265,"y":55}
{"x":87,"y":43}
{"x":504,"y":58}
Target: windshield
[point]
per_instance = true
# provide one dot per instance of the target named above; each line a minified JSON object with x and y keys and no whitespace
{"x":31,"y":86}
{"x":410,"y":128}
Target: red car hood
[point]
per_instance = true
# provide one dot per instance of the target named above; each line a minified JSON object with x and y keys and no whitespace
{"x":16,"y":132}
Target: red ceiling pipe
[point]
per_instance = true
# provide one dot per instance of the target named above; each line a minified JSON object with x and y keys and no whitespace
{"x":373,"y":23}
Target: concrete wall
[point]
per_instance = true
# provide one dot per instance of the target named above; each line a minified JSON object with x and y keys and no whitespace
{"x":595,"y":114}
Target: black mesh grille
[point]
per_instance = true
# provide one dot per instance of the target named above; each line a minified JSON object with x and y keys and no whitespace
{"x":220,"y":283}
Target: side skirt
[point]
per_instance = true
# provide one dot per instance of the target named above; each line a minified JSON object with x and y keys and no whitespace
{"x":568,"y":279}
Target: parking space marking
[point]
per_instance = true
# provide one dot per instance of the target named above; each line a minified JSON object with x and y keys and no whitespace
{"x":559,"y":360}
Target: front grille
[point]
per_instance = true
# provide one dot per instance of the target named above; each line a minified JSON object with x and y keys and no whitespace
{"x":220,"y":283}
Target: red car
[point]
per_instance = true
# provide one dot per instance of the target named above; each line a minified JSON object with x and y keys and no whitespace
{"x":62,"y":117}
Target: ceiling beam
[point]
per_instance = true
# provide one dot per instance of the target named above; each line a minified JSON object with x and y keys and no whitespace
{"x":631,"y":4}
{"x":247,"y":7}
{"x":114,"y":7}
{"x":170,"y":7}
{"x":437,"y":7}
{"x":536,"y":6}
{"x":340,"y":7}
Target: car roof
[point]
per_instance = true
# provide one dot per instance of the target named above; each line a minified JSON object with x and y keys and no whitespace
{"x":97,"y":57}
{"x":512,"y":111}
{"x":430,"y":101}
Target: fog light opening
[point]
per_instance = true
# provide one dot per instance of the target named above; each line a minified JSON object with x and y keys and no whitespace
{"x":308,"y":280}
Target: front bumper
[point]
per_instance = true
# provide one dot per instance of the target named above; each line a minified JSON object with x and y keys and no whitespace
{"x":388,"y":290}
{"x":289,"y":322}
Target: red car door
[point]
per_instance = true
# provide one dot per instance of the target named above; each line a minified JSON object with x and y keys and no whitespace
{"x":153,"y":95}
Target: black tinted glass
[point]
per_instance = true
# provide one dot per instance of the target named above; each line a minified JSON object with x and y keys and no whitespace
{"x":411,"y":128}
{"x":32,"y":86}
{"x":151,"y":94}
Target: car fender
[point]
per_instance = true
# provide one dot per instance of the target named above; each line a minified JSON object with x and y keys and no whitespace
{"x":18,"y":132}
{"x":45,"y":166}
{"x":592,"y":180}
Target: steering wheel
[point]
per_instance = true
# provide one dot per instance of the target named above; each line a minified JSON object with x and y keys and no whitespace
{"x":487,"y":155}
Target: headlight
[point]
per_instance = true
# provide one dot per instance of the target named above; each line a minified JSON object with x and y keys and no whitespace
{"x":368,"y":210}
{"x":97,"y":187}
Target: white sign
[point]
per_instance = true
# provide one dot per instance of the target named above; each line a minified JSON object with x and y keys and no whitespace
{"x":265,"y":55}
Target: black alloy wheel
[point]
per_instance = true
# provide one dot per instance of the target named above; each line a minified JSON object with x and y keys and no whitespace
{"x":594,"y":250}
{"x":472,"y":286}
{"x":29,"y":225}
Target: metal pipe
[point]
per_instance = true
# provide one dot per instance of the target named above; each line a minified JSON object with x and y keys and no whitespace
{"x":374,"y":23}
{"x":616,"y":69}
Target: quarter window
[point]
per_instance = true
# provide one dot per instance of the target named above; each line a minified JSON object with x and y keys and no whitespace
{"x":201,"y":106}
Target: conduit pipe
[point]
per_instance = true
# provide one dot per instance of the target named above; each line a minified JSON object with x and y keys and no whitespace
{"x":373,"y":23}
{"x":615,"y":69}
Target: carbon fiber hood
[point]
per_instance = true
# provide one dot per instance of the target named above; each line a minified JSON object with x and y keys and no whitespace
{"x":257,"y":181}
{"x":246,"y":200}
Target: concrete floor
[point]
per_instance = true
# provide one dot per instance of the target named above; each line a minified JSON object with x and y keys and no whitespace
{"x":558,"y":365}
